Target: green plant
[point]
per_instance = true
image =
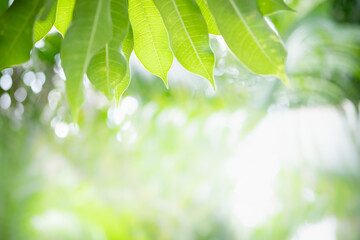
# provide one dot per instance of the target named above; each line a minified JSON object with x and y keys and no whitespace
{"x":99,"y":36}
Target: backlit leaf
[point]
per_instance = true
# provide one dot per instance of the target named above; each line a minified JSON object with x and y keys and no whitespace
{"x":106,"y":70}
{"x":16,"y":32}
{"x":127,"y":48}
{"x":109,"y":66}
{"x":208,"y":17}
{"x":269,"y":7}
{"x":64,"y":14}
{"x":188,"y":34}
{"x":249,"y":36}
{"x":42,"y":27}
{"x":151,"y":44}
{"x":90,"y":30}
{"x":128,"y":44}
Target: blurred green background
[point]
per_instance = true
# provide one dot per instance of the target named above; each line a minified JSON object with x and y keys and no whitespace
{"x":251,"y":160}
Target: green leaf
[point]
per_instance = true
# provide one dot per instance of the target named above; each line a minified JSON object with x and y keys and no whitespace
{"x":208,"y":17}
{"x":151,"y":44}
{"x":64,"y":14}
{"x":189,"y":36}
{"x":106,"y":70}
{"x":128,"y":44}
{"x":90,"y":30}
{"x":123,"y":85}
{"x":52,"y":45}
{"x":4,"y":4}
{"x":120,"y":19}
{"x":269,"y":7}
{"x":127,"y":48}
{"x":249,"y":36}
{"x":46,"y":9}
{"x":108,"y":67}
{"x":42,"y":27}
{"x":16,"y":32}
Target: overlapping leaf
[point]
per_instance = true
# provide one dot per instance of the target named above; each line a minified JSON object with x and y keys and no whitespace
{"x":42,"y":27}
{"x":109,"y":66}
{"x":90,"y":30}
{"x":127,"y":48}
{"x":16,"y":32}
{"x":64,"y":14}
{"x":151,"y":44}
{"x":249,"y":37}
{"x":128,"y":44}
{"x":208,"y":17}
{"x":269,"y":7}
{"x":188,"y":34}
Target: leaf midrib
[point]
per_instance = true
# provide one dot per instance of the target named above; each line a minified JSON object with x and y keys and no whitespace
{"x":91,"y":40}
{"x":238,"y":12}
{"x":93,"y":30}
{"x":187,"y":34}
{"x":107,"y":68}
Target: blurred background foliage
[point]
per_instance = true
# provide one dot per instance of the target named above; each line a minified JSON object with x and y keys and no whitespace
{"x":251,"y":160}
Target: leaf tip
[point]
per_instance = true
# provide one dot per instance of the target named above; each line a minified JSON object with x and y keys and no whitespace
{"x":213,"y":85}
{"x":117,"y":100}
{"x":165,"y":80}
{"x":212,"y":82}
{"x":75,"y":115}
{"x":284,"y":78}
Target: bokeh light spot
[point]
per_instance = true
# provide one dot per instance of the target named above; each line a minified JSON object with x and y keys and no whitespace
{"x":20,"y":94}
{"x":5,"y":101}
{"x":28,"y":78}
{"x":61,"y":129}
{"x":6,"y":82}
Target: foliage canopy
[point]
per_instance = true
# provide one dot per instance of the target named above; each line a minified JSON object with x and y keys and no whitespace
{"x":99,"y":36}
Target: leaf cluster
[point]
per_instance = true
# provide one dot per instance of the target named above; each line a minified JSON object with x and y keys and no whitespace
{"x":100,"y":35}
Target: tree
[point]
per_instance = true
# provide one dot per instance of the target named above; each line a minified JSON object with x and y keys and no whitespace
{"x":99,"y":36}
